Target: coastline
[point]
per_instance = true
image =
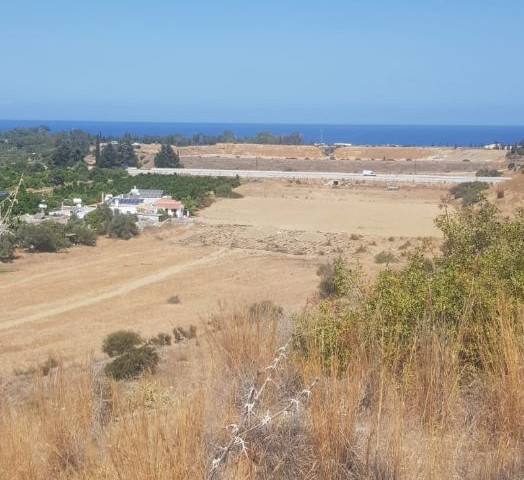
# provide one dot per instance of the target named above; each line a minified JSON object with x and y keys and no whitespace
{"x":362,"y":135}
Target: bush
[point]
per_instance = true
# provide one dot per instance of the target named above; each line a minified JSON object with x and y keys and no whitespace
{"x":457,"y":294}
{"x":486,"y":172}
{"x":7,"y":246}
{"x":120,"y":342}
{"x":123,"y":226}
{"x":173,"y":300}
{"x":161,"y":340}
{"x":265,"y":309}
{"x":48,"y":365}
{"x":336,"y":278}
{"x":469,"y":192}
{"x":80,"y":233}
{"x":180,"y":333}
{"x":44,"y":237}
{"x":133,"y":363}
{"x":99,"y":219}
{"x":385,"y":257}
{"x":225,"y":191}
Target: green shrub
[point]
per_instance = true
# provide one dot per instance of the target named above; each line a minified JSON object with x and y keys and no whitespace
{"x":132,"y":363}
{"x":123,"y":226}
{"x":457,"y":294}
{"x":120,"y":342}
{"x":336,"y":278}
{"x":7,"y":246}
{"x":385,"y":257}
{"x":47,"y":236}
{"x":99,"y":219}
{"x":80,"y":233}
{"x":486,"y":172}
{"x":469,"y":192}
{"x":225,"y":191}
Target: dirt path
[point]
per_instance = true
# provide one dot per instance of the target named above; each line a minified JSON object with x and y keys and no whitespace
{"x":64,"y":304}
{"x":67,"y":304}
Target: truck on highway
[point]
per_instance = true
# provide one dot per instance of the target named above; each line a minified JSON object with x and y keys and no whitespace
{"x":369,"y":173}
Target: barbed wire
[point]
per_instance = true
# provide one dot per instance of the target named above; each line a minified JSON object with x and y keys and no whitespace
{"x":249,"y":412}
{"x":6,"y":209}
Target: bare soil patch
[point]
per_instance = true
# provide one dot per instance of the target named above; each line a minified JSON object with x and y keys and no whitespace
{"x":343,"y":159}
{"x":366,"y":211}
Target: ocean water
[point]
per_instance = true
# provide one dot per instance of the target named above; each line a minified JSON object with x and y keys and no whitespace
{"x":419,"y":135}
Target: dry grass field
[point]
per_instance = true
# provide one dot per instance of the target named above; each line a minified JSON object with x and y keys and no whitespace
{"x":367,"y":211}
{"x":266,"y":245}
{"x":236,"y":402}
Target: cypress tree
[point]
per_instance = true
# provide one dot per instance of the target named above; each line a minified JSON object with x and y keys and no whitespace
{"x":97,"y":151}
{"x":167,"y":158}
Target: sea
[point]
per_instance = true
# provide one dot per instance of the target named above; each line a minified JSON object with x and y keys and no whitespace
{"x":416,"y":135}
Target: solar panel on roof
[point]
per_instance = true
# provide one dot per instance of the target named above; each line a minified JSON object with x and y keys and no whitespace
{"x":150,"y":193}
{"x":129,"y":201}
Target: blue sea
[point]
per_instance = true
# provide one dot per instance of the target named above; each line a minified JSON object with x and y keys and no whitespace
{"x":419,"y":135}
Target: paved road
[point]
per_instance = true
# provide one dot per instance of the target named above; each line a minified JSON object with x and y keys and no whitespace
{"x":379,"y":177}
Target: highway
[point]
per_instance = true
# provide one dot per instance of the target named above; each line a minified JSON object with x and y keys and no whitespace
{"x":379,"y":177}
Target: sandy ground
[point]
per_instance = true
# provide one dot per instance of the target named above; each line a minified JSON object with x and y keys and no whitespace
{"x":266,"y":245}
{"x":374,"y":212}
{"x":64,"y":304}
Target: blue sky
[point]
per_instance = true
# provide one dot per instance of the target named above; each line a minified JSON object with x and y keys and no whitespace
{"x":365,"y":61}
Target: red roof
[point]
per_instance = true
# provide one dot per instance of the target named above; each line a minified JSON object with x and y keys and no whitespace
{"x":168,"y":204}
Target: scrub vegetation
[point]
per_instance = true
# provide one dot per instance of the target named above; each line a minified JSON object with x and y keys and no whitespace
{"x":418,"y":375}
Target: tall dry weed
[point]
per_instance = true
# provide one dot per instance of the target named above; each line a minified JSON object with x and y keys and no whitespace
{"x":416,"y":414}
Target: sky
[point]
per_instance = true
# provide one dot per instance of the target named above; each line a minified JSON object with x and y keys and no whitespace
{"x":276,"y":61}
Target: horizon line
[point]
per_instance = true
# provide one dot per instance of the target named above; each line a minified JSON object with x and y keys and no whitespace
{"x":266,"y":123}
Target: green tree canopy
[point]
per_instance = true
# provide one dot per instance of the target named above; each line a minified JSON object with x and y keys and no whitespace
{"x":167,"y":158}
{"x":109,"y":157}
{"x":126,"y":154}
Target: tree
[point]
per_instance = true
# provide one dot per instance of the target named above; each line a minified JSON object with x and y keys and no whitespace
{"x":80,"y":233}
{"x":99,"y":219}
{"x":64,"y":155}
{"x":56,"y":177}
{"x":45,"y":237}
{"x":98,"y":158}
{"x":167,"y":158}
{"x":122,"y":226}
{"x":126,"y":154}
{"x":109,"y":157}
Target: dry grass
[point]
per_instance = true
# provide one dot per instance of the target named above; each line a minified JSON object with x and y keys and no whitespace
{"x":429,"y":419}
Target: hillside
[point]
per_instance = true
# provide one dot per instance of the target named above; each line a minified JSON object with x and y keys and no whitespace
{"x":343,"y":159}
